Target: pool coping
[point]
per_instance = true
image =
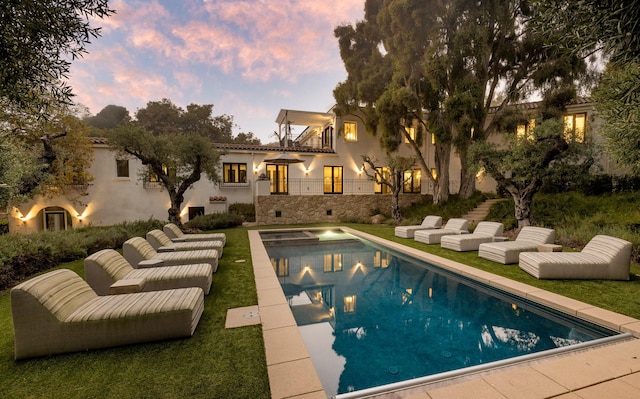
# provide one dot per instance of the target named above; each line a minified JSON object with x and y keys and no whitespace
{"x":292,"y":374}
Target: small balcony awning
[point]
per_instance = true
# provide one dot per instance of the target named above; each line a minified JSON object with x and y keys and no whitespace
{"x":303,"y":118}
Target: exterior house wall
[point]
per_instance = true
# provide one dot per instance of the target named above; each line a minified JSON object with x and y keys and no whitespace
{"x":110,"y":199}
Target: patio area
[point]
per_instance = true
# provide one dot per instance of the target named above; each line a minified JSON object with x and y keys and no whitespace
{"x":610,"y":370}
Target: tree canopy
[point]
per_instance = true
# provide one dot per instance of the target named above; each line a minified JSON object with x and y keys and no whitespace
{"x":175,"y":145}
{"x":109,"y":117}
{"x":38,"y":41}
{"x":520,"y":164}
{"x":609,"y":27}
{"x":43,"y":157}
{"x":451,"y":61}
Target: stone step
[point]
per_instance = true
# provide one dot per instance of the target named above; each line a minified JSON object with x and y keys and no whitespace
{"x":481,"y":211}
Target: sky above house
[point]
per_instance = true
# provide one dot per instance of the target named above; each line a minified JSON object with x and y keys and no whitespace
{"x":248,"y":58}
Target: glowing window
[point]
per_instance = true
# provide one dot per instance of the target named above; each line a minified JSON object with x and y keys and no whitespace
{"x":380,"y":188}
{"x":412,"y":181}
{"x":574,"y":127}
{"x":350,"y":131}
{"x":234,"y":172}
{"x":412,"y":134}
{"x":525,"y":132}
{"x":350,"y":304}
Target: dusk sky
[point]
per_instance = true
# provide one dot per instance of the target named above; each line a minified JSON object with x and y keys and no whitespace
{"x":248,"y":58}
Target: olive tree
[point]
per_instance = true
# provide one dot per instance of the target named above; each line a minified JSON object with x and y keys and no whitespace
{"x":174,"y":145}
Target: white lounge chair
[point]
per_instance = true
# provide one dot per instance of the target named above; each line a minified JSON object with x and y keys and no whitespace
{"x":176,"y":235}
{"x":484,"y":232}
{"x":139,"y":253}
{"x":58,"y":312}
{"x":107,"y":271}
{"x":527,"y":240}
{"x":162,"y":243}
{"x":428,"y":223}
{"x":453,"y":226}
{"x":603,"y":258}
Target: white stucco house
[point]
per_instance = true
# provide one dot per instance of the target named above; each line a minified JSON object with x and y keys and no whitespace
{"x":317,"y":177}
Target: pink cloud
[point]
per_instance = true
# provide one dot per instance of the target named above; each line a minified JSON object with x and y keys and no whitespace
{"x":262,"y":39}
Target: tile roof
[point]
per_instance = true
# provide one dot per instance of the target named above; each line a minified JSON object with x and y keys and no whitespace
{"x":249,"y":147}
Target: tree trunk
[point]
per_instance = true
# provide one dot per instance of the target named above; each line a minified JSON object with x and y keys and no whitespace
{"x":441,"y":188}
{"x":522,"y":201}
{"x":174,"y":210}
{"x":467,"y":180}
{"x":395,"y":205}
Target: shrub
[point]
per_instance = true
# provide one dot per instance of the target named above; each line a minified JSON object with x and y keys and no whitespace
{"x":246,"y":210}
{"x":214,"y":221}
{"x":21,"y":255}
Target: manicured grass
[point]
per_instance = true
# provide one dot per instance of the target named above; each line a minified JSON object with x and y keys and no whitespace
{"x":214,"y":363}
{"x":220,"y":363}
{"x":617,"y":296}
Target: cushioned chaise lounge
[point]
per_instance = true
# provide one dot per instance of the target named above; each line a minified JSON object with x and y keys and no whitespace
{"x":453,"y":226}
{"x":162,"y":243}
{"x":139,"y":253}
{"x":106,"y":267}
{"x":527,"y":240}
{"x":428,"y":223}
{"x":603,"y":258}
{"x":176,"y":235}
{"x":484,"y":232}
{"x":58,"y":312}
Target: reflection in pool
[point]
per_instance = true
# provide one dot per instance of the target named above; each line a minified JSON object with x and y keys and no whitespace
{"x":371,"y":316}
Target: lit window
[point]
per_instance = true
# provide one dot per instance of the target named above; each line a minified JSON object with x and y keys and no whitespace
{"x":525,"y":132}
{"x":280,"y":266}
{"x":574,"y":127}
{"x":350,"y":132}
{"x":122,"y":167}
{"x":412,"y":181}
{"x":235,"y":172}
{"x":412,"y":133}
{"x":350,"y":304}
{"x":154,"y":178}
{"x":434,"y":173}
{"x":332,"y":180}
{"x":380,"y":188}
{"x":332,"y":263}
{"x":277,"y":175}
{"x":433,"y":138}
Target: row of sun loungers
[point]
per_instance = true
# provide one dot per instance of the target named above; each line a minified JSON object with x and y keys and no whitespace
{"x":150,"y":296}
{"x":604,"y":257}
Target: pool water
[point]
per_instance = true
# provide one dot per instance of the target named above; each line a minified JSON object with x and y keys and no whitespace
{"x":370,"y":316}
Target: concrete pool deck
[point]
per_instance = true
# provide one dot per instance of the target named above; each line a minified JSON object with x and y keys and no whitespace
{"x":611,"y":370}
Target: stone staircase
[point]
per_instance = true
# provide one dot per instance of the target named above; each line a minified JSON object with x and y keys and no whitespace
{"x":480,"y":212}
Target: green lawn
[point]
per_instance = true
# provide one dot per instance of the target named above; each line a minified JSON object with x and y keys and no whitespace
{"x":214,"y":363}
{"x":220,"y":363}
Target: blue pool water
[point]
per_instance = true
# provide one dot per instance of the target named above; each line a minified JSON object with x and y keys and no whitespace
{"x":371,"y":316}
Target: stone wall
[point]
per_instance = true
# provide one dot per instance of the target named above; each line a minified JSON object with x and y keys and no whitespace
{"x":294,"y":209}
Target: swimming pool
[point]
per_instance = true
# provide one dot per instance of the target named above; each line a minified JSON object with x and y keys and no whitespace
{"x":371,"y":316}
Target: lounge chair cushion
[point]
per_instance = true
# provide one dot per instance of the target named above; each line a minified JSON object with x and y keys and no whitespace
{"x":162,"y":243}
{"x":429,"y":222}
{"x":453,"y":226}
{"x":176,"y":235}
{"x":137,"y":250}
{"x":58,"y":312}
{"x":603,"y":258}
{"x":507,"y":252}
{"x":484,"y":232}
{"x":106,"y":267}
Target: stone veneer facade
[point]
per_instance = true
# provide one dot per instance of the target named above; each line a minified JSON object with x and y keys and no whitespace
{"x":294,"y":209}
